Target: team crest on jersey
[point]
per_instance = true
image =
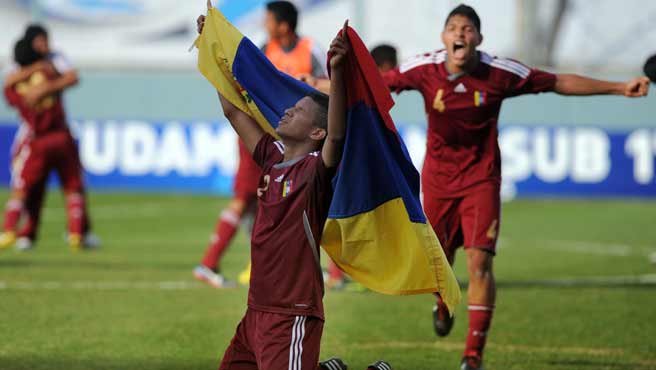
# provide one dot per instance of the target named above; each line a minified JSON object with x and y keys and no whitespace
{"x":480,"y":98}
{"x":287,"y":187}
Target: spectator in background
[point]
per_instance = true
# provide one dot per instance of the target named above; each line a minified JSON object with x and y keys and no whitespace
{"x":650,"y":68}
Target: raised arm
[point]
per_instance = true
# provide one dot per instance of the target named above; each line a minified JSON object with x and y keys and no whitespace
{"x":245,"y":126}
{"x":571,"y":84}
{"x":22,"y":74}
{"x":64,"y":81}
{"x":334,"y":144}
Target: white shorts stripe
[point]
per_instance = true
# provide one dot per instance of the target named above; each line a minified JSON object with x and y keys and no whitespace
{"x":300,"y":344}
{"x":296,"y":344}
{"x":290,"y":366}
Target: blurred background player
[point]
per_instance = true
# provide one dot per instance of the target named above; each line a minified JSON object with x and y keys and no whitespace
{"x":650,"y":68}
{"x":299,"y":57}
{"x":241,"y":208}
{"x":35,"y":92}
{"x":66,"y":77}
{"x":463,"y":90}
{"x":293,"y":54}
{"x":385,"y":56}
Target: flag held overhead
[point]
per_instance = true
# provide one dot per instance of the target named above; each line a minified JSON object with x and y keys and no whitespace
{"x":376,"y":229}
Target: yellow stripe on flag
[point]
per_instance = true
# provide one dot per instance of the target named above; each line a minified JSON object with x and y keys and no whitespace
{"x":387,"y":253}
{"x":217,"y":48}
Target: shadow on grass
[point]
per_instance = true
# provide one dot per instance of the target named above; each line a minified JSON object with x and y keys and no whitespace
{"x":600,"y":365}
{"x":14,"y":263}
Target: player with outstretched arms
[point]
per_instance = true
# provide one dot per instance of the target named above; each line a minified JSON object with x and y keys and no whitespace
{"x":463,"y":90}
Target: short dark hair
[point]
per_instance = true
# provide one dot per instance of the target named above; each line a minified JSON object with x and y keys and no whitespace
{"x":284,"y":11}
{"x":321,"y":100}
{"x":34,"y":30}
{"x":468,"y":12}
{"x":24,"y":54}
{"x":650,"y":68}
{"x":385,"y":53}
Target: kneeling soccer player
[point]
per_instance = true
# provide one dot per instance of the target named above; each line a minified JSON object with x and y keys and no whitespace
{"x":283,"y":324}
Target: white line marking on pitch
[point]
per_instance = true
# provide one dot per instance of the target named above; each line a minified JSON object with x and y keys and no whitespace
{"x":100,"y":285}
{"x":581,"y":246}
{"x":648,"y":279}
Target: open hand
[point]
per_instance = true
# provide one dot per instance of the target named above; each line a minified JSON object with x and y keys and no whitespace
{"x":637,"y":87}
{"x":339,"y":48}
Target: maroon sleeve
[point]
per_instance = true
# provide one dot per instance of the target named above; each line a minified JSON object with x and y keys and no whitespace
{"x":268,"y":151}
{"x":398,"y":81}
{"x":12,"y":96}
{"x":537,"y":81}
{"x":324,"y":175}
{"x":321,"y":194}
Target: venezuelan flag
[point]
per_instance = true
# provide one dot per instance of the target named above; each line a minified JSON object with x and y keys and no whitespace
{"x":479,"y":98}
{"x":376,"y":230}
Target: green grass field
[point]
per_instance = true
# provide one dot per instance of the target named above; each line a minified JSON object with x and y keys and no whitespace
{"x":576,"y":291}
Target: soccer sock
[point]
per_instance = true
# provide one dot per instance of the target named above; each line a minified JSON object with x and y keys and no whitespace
{"x":12,"y":214}
{"x":33,"y":205}
{"x":225,"y":231}
{"x":334,"y":272}
{"x":480,"y":317}
{"x":75,"y":211}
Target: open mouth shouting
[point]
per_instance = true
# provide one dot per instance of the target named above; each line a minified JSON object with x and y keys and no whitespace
{"x":459,"y":49}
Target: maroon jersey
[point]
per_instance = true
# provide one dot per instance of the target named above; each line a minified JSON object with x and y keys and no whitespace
{"x":462,"y":151}
{"x":47,"y":116}
{"x":294,"y":198}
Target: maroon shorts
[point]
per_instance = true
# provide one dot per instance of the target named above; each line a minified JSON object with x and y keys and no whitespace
{"x":471,"y":221}
{"x":247,"y":177}
{"x":35,"y":159}
{"x":271,"y":341}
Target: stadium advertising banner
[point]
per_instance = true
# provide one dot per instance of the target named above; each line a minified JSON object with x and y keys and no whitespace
{"x":538,"y":161}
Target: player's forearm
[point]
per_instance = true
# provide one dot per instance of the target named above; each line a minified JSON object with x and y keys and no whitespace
{"x":571,"y":84}
{"x":63,"y":82}
{"x":336,"y":119}
{"x":243,"y":124}
{"x":18,"y":76}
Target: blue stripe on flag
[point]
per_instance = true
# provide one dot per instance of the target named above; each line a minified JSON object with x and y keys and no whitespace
{"x":375,"y":169}
{"x":271,"y":90}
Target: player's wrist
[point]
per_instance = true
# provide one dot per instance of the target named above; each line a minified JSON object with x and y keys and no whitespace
{"x":336,"y":72}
